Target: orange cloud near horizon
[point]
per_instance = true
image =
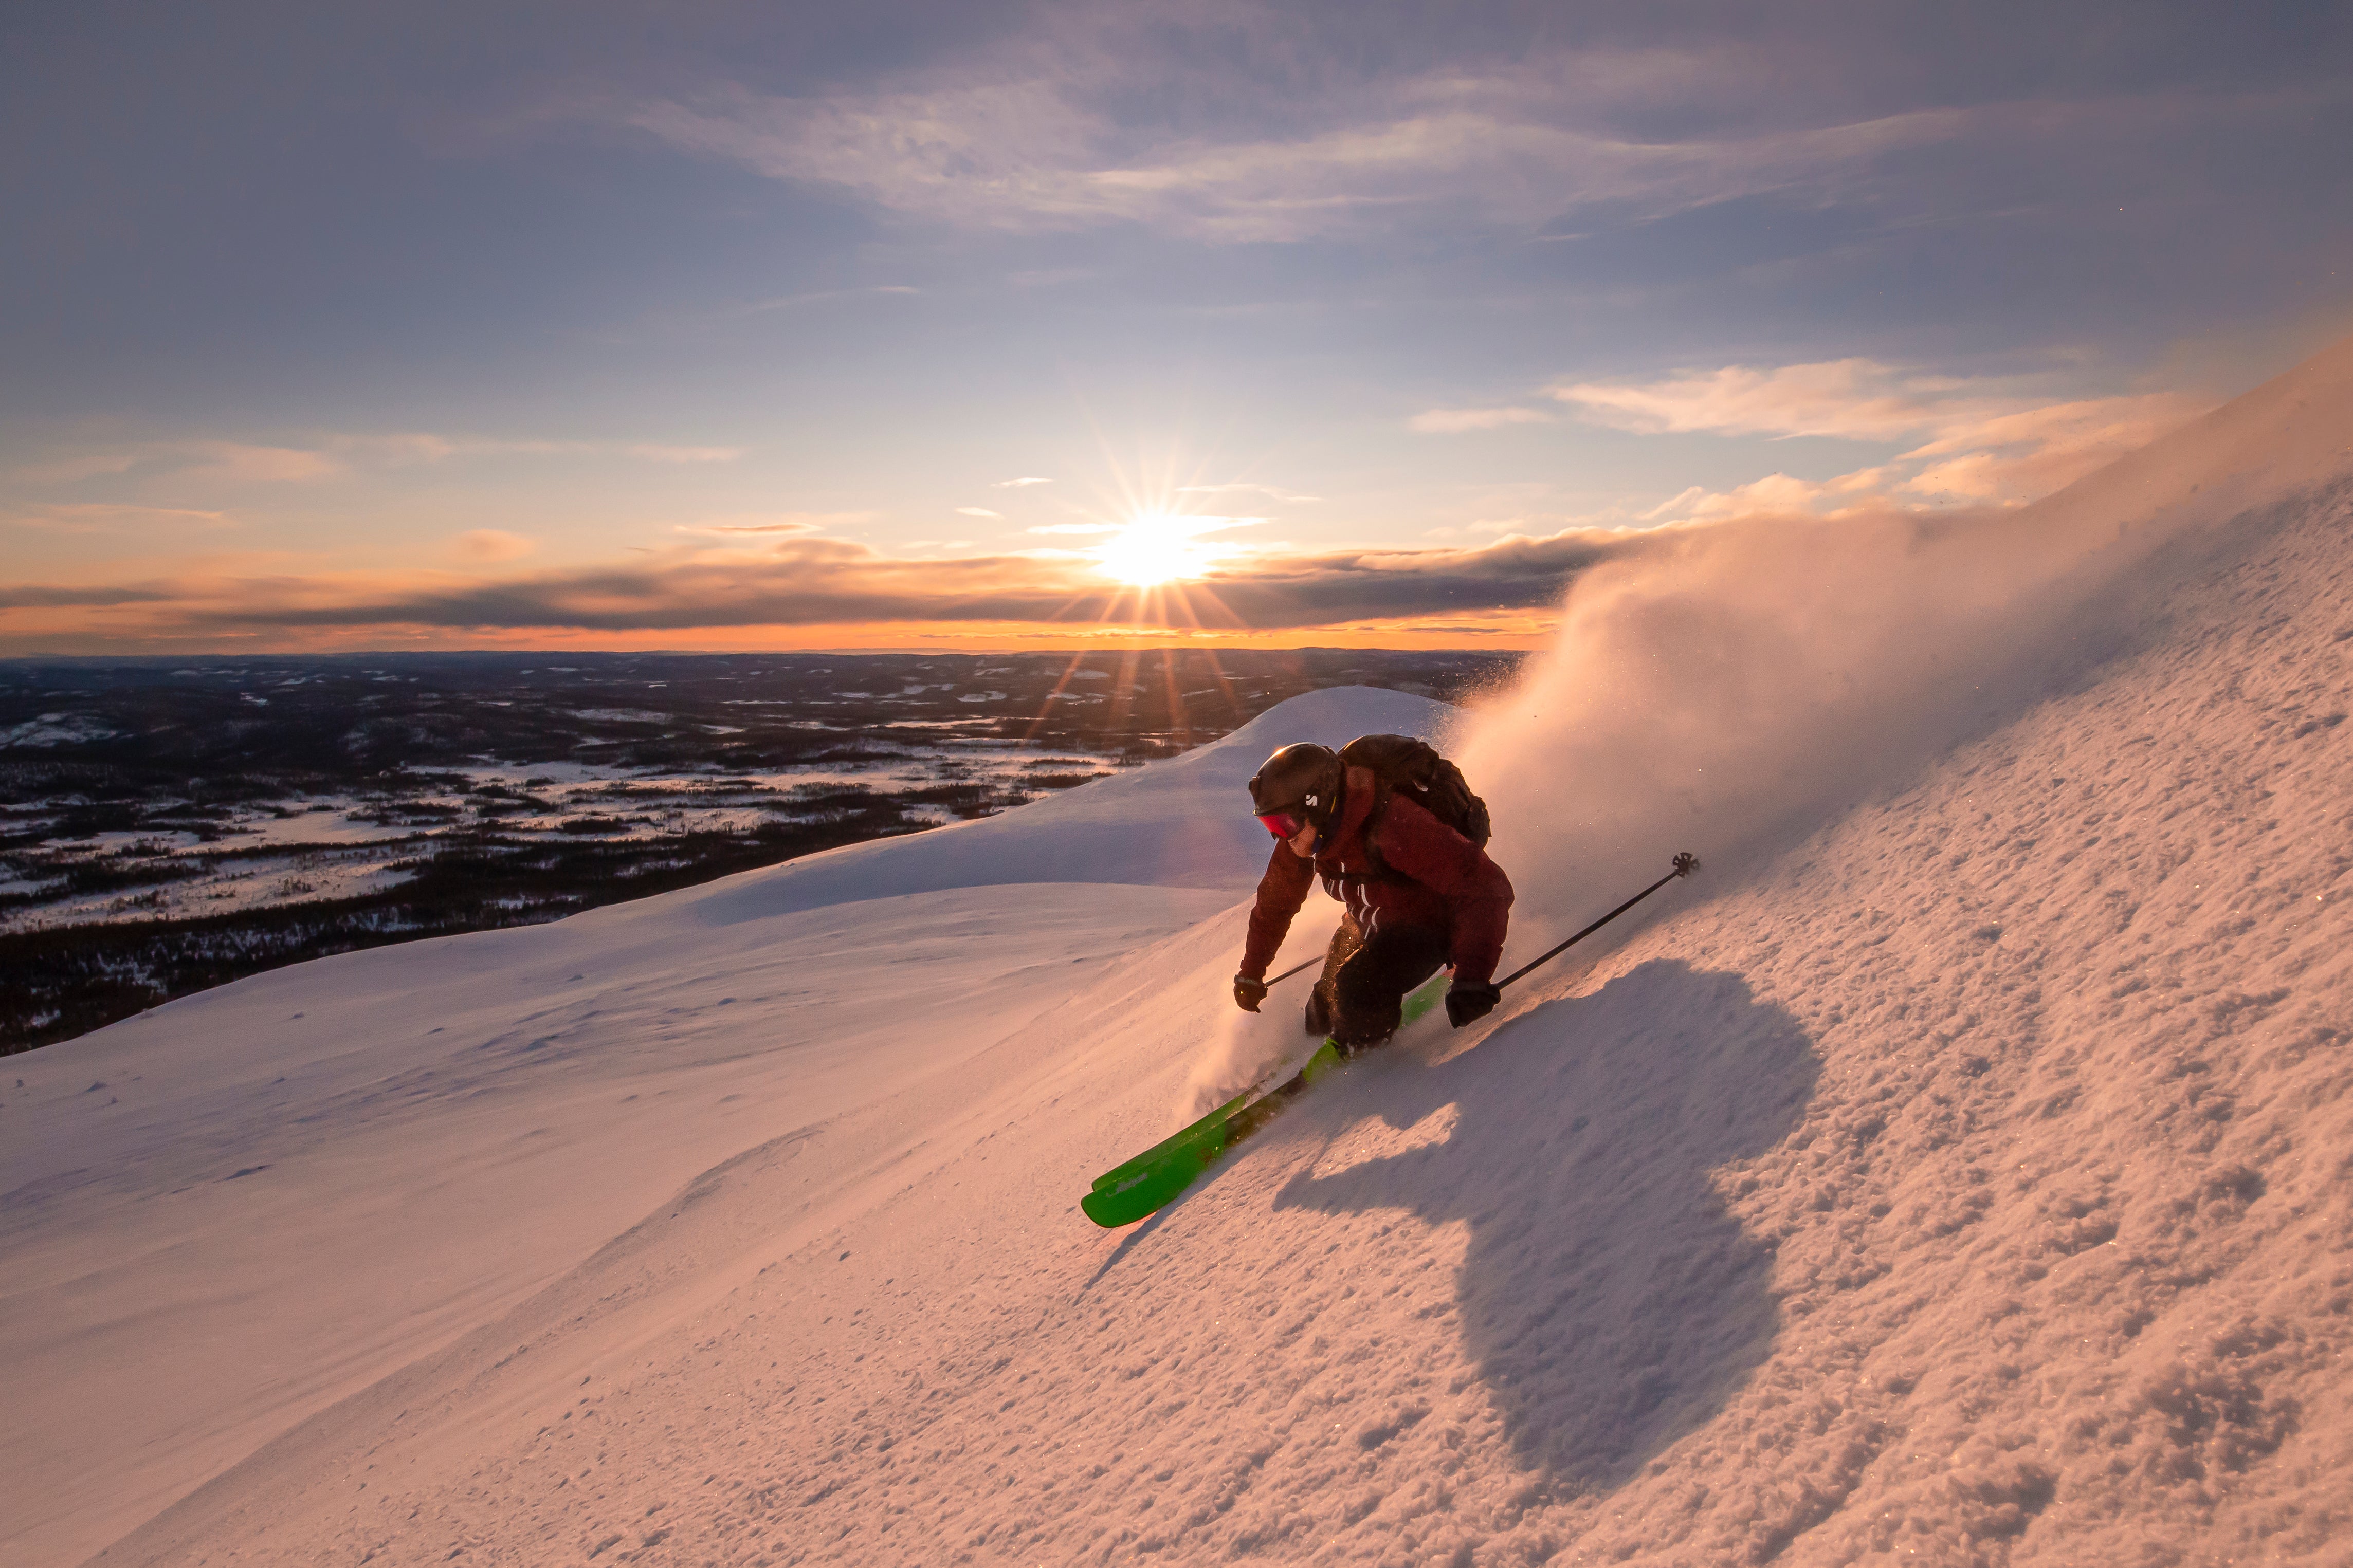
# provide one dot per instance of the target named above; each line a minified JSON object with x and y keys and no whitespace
{"x":809,"y":590}
{"x":760,"y":580}
{"x":1501,"y":632}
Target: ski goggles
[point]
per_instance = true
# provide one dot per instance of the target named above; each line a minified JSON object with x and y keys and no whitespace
{"x":1282,"y":824}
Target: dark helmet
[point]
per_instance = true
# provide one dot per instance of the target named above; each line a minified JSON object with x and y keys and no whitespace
{"x":1303,"y":778}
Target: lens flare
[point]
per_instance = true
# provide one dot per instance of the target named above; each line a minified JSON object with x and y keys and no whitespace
{"x":1154,"y":548}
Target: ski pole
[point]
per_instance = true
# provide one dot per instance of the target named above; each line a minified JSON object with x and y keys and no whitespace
{"x":1289,"y":972}
{"x":1685,"y":864}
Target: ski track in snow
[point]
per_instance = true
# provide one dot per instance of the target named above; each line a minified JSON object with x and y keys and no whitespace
{"x":1954,"y":1173}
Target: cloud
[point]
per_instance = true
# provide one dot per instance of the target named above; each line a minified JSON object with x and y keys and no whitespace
{"x":233,"y":463}
{"x":981,"y":512}
{"x":776,"y":522}
{"x":1248,"y":123}
{"x":56,"y":598}
{"x":810,"y":580}
{"x":1957,"y":441}
{"x":1860,"y":399}
{"x":333,"y":456}
{"x":111,"y":517}
{"x":1236,"y":122}
{"x":1019,"y":483}
{"x":1040,"y":140}
{"x":1456,"y":421}
{"x":1022,"y":161}
{"x":1987,"y":439}
{"x":394,"y":450}
{"x":492,"y":544}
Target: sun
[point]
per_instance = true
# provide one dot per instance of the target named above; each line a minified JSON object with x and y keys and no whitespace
{"x":1152,"y":548}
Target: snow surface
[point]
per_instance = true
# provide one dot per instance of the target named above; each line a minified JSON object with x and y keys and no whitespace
{"x":1957,"y":1172}
{"x":307,"y":1179}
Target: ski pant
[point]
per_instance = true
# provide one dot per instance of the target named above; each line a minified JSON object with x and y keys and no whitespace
{"x":1361,"y":997}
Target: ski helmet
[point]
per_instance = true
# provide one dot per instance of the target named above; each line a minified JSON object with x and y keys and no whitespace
{"x":1301,"y":779}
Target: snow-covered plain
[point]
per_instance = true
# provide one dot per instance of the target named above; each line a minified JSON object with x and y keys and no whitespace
{"x":1955,"y":1173}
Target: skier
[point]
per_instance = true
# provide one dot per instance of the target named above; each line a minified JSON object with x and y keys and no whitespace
{"x":1418,"y":895}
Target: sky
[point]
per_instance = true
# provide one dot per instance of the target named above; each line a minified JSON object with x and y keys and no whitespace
{"x":988,"y":325}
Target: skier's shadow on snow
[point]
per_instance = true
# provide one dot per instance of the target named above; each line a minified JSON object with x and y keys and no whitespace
{"x":1610,"y":1299}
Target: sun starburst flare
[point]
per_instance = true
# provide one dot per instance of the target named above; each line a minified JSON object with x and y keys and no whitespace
{"x":1157,"y":547}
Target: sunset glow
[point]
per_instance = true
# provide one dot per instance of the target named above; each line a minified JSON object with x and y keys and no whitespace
{"x":1155,"y":548}
{"x":1241,"y":323}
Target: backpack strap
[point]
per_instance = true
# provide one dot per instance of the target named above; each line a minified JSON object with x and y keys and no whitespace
{"x":1380,"y":872}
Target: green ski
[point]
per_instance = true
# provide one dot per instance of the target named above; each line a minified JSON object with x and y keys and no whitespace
{"x":1127,"y":1193}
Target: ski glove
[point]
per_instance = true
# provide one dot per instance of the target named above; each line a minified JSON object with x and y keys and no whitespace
{"x":1249,"y":993}
{"x":1469,"y":1000}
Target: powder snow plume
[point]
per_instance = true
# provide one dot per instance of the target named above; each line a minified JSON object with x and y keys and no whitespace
{"x":1731,"y":682}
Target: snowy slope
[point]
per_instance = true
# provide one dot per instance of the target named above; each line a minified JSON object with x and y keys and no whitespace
{"x":1955,"y":1174}
{"x":221,"y":1217}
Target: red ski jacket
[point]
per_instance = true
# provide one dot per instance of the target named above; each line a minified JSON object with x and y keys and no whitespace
{"x":1437,"y":879}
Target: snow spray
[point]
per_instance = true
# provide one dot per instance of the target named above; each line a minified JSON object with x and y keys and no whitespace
{"x":1250,"y":1047}
{"x":1248,"y":1050}
{"x":1728,"y":687}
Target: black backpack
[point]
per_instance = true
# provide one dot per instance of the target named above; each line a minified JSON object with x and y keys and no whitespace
{"x":1401,"y":764}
